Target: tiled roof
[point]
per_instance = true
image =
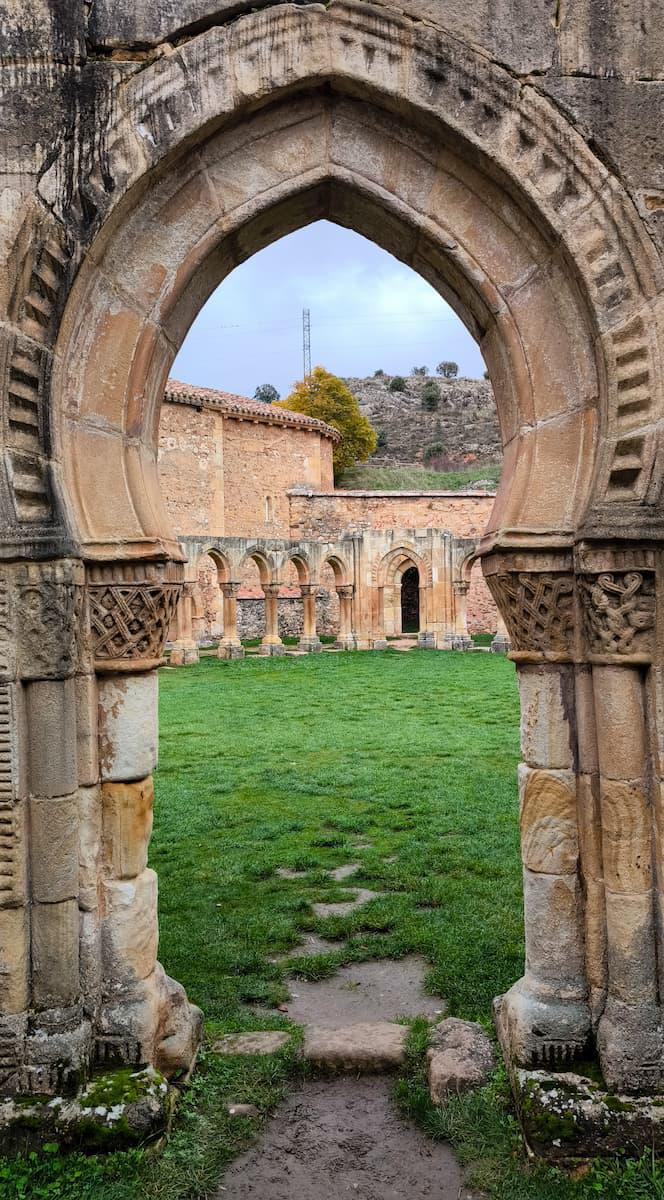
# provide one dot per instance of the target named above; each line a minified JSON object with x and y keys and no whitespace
{"x":244,"y":408}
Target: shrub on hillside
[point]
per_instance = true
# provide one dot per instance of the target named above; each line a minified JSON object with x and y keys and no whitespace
{"x":379,"y":373}
{"x":448,"y":370}
{"x":397,"y":384}
{"x":327,"y":398}
{"x":435,"y":450}
{"x":420,"y":371}
{"x":430,"y":396}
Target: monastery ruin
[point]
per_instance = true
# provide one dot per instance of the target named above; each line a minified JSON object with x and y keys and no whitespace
{"x":509,"y":153}
{"x":273,"y":548}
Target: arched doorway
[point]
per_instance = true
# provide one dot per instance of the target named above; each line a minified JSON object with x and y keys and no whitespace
{"x":479,"y":182}
{"x":410,"y":600}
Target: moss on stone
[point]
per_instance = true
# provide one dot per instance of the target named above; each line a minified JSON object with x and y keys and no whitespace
{"x":122,"y":1086}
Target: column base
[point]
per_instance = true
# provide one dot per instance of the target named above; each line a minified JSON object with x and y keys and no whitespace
{"x":116,"y":1109}
{"x":565,"y":1107}
{"x":500,"y":644}
{"x":311,"y":645}
{"x":346,"y":643}
{"x":426,"y":640}
{"x":272,"y":649}
{"x":379,"y":644}
{"x":631,"y":1046}
{"x":230,"y":650}
{"x":184,"y":656}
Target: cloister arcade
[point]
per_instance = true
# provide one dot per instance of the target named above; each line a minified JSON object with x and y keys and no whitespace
{"x":367,"y":568}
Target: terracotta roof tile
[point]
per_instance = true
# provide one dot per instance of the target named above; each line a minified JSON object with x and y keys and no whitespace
{"x":241,"y":406}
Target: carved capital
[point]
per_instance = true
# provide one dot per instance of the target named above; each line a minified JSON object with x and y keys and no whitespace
{"x":230,"y":590}
{"x":131,"y":607}
{"x":538,"y":610}
{"x":346,"y":591}
{"x":49,"y":602}
{"x":619,"y":614}
{"x":271,"y":590}
{"x":461,"y":587}
{"x":309,"y":589}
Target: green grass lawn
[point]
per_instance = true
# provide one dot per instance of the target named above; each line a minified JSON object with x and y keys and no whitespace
{"x":399,"y":479}
{"x":274,"y":762}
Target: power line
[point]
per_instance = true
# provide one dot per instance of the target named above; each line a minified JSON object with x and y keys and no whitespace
{"x":306,"y":341}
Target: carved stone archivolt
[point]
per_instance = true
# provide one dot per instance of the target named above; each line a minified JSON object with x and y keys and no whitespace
{"x":130,"y":617}
{"x":619,"y":612}
{"x":538,"y":609}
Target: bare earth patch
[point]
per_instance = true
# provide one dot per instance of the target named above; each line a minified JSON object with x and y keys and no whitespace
{"x":367,"y":991}
{"x":342,"y":1137}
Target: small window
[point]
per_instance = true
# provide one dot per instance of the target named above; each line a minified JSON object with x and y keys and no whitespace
{"x":269,"y":508}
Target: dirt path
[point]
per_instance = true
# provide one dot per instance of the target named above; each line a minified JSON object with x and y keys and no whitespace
{"x":342,"y":1137}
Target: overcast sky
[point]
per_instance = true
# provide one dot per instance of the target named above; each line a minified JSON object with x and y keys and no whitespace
{"x":367,"y":311}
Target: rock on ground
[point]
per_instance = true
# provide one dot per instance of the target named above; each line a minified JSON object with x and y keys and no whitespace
{"x":461,"y":1057}
{"x":364,"y":1047}
{"x":252,"y":1043}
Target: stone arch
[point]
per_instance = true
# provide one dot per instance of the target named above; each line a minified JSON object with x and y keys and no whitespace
{"x":397,"y":560}
{"x":300,"y":561}
{"x":340,"y":569}
{"x":395,"y":128}
{"x":266,"y":564}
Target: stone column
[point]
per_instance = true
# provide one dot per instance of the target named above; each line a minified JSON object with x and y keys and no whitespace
{"x":185,"y":648}
{"x":426,"y":639}
{"x":619,"y":612}
{"x":271,"y":643}
{"x":310,"y":640}
{"x":141,"y":1016}
{"x":462,"y":640}
{"x":544,"y":1019}
{"x":501,"y":642}
{"x":346,"y":639}
{"x":230,"y":645}
{"x":378,"y":638}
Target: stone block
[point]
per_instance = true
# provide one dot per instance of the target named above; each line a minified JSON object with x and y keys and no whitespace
{"x":261,"y":1042}
{"x":630,"y":922}
{"x":590,"y":826}
{"x":52,"y":737}
{"x":87,"y":755}
{"x":54,"y":849}
{"x":127,"y":822}
{"x":364,"y":1047}
{"x":55,"y":937}
{"x":128,"y":732}
{"x":548,"y":729}
{"x":89,"y":846}
{"x":619,"y":711}
{"x":460,"y":1057}
{"x":626,"y":836}
{"x":129,"y":928}
{"x":549,"y":833}
{"x":90,"y":958}
{"x":14,"y":960}
{"x":554,"y":933}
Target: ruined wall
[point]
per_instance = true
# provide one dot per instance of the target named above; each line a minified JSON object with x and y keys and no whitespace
{"x":261,"y":463}
{"x":328,"y":514}
{"x":230,"y":477}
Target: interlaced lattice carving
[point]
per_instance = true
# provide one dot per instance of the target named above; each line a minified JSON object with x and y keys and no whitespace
{"x":538,"y":609}
{"x":131,"y":620}
{"x":618,"y":611}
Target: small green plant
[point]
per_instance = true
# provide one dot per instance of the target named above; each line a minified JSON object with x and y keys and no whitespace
{"x":434,"y":451}
{"x":397,"y":384}
{"x":430,"y":396}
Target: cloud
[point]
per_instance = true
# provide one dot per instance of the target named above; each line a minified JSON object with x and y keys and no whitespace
{"x":367,"y":311}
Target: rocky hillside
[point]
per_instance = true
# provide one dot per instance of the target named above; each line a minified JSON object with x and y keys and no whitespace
{"x":461,"y":430}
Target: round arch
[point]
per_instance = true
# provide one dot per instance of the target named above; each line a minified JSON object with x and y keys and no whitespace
{"x":398,"y":560}
{"x":389,"y":126}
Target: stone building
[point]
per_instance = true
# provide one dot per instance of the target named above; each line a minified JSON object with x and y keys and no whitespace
{"x":510,"y":152}
{"x":250,"y":491}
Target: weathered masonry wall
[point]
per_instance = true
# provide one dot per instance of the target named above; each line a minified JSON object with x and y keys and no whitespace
{"x":314,"y":515}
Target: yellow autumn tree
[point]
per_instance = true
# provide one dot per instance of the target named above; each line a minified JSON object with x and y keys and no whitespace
{"x":327,"y":398}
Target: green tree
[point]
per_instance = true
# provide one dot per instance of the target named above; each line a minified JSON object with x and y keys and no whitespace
{"x":328,"y":399}
{"x":397,"y":384}
{"x":448,"y":370}
{"x":379,"y":373}
{"x":267,"y":393}
{"x":430,"y":396}
{"x":420,"y":371}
